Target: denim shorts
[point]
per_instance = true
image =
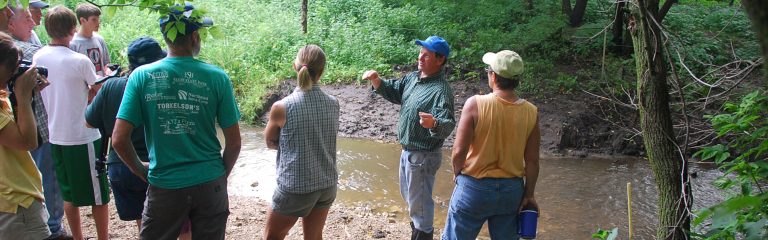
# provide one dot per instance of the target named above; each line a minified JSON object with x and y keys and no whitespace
{"x":475,"y":201}
{"x":129,"y":190}
{"x":300,"y":205}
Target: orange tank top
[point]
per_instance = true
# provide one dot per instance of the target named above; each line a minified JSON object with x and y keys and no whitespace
{"x":500,"y":135}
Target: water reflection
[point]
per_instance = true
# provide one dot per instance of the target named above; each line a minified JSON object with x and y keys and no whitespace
{"x":576,"y":196}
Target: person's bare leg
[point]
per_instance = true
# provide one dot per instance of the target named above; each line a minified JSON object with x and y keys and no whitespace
{"x":313,"y":224}
{"x":278,"y":225}
{"x":101,"y":217}
{"x":73,"y":219}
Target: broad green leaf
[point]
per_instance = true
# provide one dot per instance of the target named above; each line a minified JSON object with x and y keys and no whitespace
{"x":111,"y":10}
{"x":756,"y":230}
{"x":181,"y":27}
{"x":722,"y":157}
{"x":171,"y":34}
{"x":216,"y":32}
{"x":702,"y":215}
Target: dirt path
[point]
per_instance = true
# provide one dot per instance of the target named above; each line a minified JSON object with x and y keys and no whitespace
{"x":248,"y":217}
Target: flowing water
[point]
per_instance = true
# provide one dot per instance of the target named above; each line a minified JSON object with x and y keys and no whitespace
{"x":576,"y":195}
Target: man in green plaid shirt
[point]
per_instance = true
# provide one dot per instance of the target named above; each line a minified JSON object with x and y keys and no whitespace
{"x":426,"y":119}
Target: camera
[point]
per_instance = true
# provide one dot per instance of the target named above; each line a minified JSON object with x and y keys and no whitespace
{"x":24,"y":65}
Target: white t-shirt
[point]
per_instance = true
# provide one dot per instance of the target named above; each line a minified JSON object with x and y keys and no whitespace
{"x":66,"y":99}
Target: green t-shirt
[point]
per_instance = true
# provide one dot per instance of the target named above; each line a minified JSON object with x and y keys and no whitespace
{"x":178,"y":100}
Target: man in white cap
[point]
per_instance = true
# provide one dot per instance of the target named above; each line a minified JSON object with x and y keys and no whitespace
{"x":495,"y":156}
{"x":36,"y":8}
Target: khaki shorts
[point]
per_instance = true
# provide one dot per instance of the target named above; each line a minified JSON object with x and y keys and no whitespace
{"x":26,"y":224}
{"x":300,"y":205}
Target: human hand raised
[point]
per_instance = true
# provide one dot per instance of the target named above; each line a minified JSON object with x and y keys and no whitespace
{"x":427,"y":120}
{"x":25,"y":84}
{"x":42,"y":82}
{"x":373,"y":77}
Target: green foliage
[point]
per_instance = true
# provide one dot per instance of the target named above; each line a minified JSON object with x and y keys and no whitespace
{"x":258,"y":39}
{"x":4,"y":3}
{"x":744,"y":128}
{"x":606,"y":235}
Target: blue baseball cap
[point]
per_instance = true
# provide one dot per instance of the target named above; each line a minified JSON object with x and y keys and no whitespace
{"x":144,"y":50}
{"x":191,"y":23}
{"x":435,"y":44}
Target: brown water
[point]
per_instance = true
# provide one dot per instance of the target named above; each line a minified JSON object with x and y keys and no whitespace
{"x":576,"y":196}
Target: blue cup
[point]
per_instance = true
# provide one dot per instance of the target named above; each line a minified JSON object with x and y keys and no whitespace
{"x":527,"y":224}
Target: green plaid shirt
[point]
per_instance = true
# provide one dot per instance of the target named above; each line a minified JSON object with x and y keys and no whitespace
{"x":431,"y":95}
{"x":38,"y":108}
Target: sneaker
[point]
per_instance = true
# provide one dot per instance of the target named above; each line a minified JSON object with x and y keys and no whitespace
{"x":63,"y":235}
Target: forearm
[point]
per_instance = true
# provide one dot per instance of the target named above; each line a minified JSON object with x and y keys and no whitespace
{"x":444,"y":128}
{"x":388,"y":89}
{"x":230,"y":157}
{"x":232,"y":145}
{"x":25,"y":120}
{"x":131,"y":159}
{"x":458,"y":159}
{"x":531,"y":176}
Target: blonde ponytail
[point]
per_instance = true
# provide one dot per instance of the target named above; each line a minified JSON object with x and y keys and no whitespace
{"x":305,"y":80}
{"x":310,"y":64}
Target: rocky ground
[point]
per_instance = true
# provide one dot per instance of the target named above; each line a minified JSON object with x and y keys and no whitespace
{"x":571,"y":125}
{"x":248,"y":217}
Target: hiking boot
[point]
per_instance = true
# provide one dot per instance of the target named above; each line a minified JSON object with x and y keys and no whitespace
{"x":417,"y":234}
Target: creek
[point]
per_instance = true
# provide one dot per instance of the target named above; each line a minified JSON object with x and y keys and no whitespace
{"x":576,"y":195}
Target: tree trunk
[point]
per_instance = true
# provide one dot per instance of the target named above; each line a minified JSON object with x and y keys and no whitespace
{"x":758,"y":14}
{"x":618,"y":27}
{"x":575,"y":14}
{"x":669,"y":168}
{"x":578,"y":13}
{"x":304,"y":16}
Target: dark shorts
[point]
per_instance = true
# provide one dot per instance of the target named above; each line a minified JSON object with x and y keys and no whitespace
{"x":300,"y":205}
{"x":129,"y":190}
{"x":206,"y":205}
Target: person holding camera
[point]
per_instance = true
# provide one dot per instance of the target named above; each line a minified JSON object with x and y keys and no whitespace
{"x":20,"y":27}
{"x":75,"y":148}
{"x":22,"y":212}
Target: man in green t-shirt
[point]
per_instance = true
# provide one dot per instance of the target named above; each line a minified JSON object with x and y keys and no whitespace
{"x":179,"y":100}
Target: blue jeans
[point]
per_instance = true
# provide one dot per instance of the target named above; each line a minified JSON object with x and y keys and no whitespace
{"x":475,"y":201}
{"x":129,"y":191}
{"x":417,"y":179}
{"x":53,"y":201}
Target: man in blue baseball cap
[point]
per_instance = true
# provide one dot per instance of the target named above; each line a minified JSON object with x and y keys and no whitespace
{"x":179,"y":100}
{"x":426,"y":119}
